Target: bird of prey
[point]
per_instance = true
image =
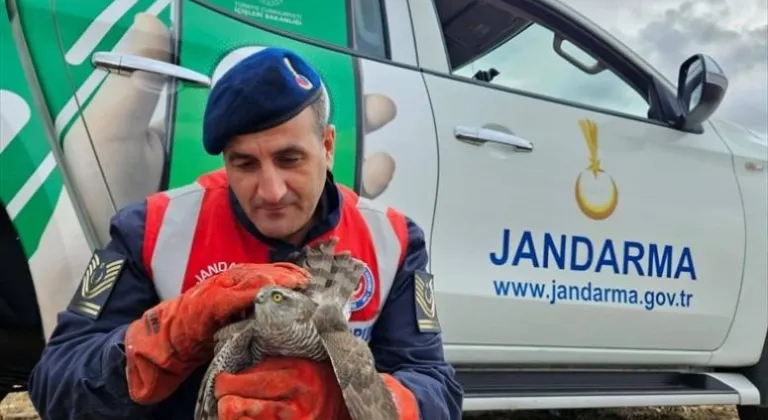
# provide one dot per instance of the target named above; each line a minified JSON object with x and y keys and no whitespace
{"x":309,"y":324}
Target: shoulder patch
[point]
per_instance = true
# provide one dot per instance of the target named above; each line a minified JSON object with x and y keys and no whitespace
{"x":426,"y":307}
{"x":96,"y":285}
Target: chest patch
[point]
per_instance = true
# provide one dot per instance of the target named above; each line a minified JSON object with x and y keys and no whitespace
{"x":364,"y":292}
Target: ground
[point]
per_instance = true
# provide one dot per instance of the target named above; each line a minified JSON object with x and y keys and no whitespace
{"x":17,"y":407}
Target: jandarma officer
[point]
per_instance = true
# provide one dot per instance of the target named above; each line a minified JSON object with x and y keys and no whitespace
{"x":134,"y":341}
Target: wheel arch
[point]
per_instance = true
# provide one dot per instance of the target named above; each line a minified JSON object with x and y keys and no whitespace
{"x":22,"y":337}
{"x":758,"y":373}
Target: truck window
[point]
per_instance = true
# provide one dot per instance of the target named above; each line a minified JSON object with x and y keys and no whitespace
{"x":353,"y":24}
{"x":512,"y":51}
{"x":369,"y":37}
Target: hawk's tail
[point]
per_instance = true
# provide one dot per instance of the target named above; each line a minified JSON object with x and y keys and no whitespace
{"x":318,"y":260}
{"x":345,"y":276}
{"x":334,"y":275}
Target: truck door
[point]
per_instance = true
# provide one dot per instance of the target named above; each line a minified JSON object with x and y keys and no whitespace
{"x":44,"y":244}
{"x":146,"y":127}
{"x":569,"y":215}
{"x":110,"y":127}
{"x":386,"y":147}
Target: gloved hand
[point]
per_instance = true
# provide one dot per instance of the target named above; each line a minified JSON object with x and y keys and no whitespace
{"x":176,"y":336}
{"x":294,"y":389}
{"x":407,"y":406}
{"x":280,"y":388}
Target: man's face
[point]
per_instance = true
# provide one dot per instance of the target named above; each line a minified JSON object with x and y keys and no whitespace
{"x":278,"y":174}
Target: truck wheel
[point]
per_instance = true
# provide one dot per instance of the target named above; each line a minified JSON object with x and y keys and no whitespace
{"x":21,"y":329}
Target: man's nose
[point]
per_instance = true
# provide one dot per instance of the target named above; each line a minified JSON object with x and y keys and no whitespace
{"x":271,"y":185}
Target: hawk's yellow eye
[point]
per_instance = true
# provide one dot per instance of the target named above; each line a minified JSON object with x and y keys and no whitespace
{"x":277,"y":297}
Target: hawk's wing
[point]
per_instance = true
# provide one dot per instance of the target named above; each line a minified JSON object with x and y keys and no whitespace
{"x":365,"y":393}
{"x":222,"y":335}
{"x":233,"y":353}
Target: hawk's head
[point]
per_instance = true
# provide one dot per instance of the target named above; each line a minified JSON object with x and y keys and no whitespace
{"x":278,"y":307}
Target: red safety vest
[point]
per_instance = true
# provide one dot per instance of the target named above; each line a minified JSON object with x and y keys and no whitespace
{"x":191,"y":234}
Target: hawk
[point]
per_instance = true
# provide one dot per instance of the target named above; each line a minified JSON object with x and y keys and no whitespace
{"x":309,"y":324}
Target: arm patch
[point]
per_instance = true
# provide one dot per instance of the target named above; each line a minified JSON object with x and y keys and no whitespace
{"x":426,"y":306}
{"x":101,"y":274}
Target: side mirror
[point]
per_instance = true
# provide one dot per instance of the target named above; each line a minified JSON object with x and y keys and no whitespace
{"x":701,"y":86}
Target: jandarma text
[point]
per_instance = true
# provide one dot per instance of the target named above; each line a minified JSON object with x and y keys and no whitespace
{"x":556,"y":292}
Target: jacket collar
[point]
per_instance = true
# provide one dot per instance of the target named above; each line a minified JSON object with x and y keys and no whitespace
{"x":328,"y":211}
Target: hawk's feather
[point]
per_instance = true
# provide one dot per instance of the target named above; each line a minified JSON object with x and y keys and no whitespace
{"x":232,"y":354}
{"x":309,"y":324}
{"x":365,"y":393}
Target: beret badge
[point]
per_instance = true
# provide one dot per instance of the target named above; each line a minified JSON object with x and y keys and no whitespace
{"x":302,"y":81}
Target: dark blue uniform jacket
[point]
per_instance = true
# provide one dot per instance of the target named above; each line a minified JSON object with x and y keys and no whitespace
{"x":81,"y":374}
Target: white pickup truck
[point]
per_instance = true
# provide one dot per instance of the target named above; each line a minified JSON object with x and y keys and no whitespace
{"x":596,"y":238}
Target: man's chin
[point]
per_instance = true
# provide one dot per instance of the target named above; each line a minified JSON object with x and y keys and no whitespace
{"x":282,"y":227}
{"x":273,"y":233}
{"x":282,"y":233}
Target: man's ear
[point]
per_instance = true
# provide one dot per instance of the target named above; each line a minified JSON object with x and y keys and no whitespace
{"x":225,"y":157}
{"x":329,"y":144}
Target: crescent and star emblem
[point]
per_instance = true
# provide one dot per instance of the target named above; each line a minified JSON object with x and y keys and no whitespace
{"x":595,"y":211}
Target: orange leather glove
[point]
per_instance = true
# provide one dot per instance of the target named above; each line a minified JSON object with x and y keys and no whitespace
{"x":174,"y":337}
{"x":283,"y":388}
{"x":294,"y":389}
{"x":407,"y":406}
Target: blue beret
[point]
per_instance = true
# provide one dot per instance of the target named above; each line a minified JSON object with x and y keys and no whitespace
{"x":264,"y":90}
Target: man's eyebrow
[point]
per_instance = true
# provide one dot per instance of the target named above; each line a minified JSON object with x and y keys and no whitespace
{"x":289,"y":150}
{"x":237,"y":155}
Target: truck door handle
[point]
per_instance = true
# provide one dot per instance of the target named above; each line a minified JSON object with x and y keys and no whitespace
{"x":125,"y":64}
{"x":479,"y":136}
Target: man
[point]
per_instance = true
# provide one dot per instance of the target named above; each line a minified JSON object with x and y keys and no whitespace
{"x":136,"y":337}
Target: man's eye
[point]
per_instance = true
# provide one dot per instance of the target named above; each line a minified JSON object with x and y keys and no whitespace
{"x":288,"y":160}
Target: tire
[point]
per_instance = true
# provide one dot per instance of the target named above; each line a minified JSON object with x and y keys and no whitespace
{"x":19,"y":352}
{"x":21,"y":331}
{"x":752,"y":412}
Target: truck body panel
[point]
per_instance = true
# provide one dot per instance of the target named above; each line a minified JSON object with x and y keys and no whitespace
{"x":572,"y":224}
